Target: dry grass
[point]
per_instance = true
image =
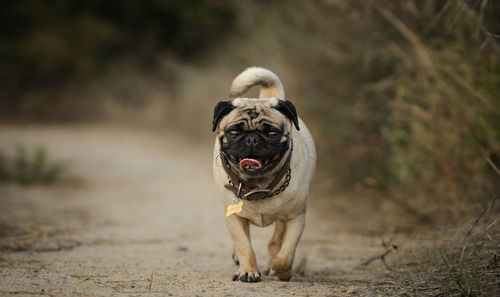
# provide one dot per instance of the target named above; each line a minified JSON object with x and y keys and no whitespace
{"x":407,"y":99}
{"x":471,"y":268}
{"x":444,"y":123}
{"x":29,"y":166}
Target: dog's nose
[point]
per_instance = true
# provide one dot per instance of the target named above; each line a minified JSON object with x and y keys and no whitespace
{"x":252,"y":139}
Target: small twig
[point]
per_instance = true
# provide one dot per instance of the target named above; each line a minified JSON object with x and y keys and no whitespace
{"x":381,"y":256}
{"x":492,"y":165}
{"x":389,"y":248}
{"x":388,"y":244}
{"x":493,"y":35}
{"x":492,"y":224}
{"x":385,"y":263}
{"x":490,"y":207}
{"x":492,"y":264}
{"x":438,"y":16}
{"x":462,"y":254}
{"x":150,"y":282}
{"x":480,"y":19}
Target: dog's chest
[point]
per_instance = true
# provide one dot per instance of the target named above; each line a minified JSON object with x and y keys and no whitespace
{"x":265,"y":212}
{"x":262,"y":220}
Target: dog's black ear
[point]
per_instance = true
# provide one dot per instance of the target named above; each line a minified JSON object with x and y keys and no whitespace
{"x":288,"y":109}
{"x":221,"y":109}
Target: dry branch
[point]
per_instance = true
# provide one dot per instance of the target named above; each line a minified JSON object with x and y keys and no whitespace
{"x":389,"y":248}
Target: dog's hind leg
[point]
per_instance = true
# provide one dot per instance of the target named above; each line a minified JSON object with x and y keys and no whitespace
{"x":235,"y":258}
{"x":282,"y":262}
{"x":240,"y":234}
{"x":274,"y":244}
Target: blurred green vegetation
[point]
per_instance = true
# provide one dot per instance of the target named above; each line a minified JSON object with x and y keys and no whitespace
{"x":404,"y":97}
{"x":401,"y":96}
{"x":466,"y":283}
{"x":47,"y":46}
{"x":30,"y":166}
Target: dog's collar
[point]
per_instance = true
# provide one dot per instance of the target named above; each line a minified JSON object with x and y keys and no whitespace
{"x":246,"y":191}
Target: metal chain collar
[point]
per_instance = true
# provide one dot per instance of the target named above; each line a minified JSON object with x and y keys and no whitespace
{"x":288,"y":176}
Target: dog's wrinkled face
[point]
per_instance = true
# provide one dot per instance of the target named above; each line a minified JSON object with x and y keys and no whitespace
{"x":255,"y":133}
{"x":254,"y":147}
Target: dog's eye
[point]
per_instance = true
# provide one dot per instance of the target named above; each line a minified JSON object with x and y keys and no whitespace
{"x":233,"y":133}
{"x":273,"y":134}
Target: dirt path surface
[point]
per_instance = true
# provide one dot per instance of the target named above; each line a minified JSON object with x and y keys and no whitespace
{"x":143,"y":219}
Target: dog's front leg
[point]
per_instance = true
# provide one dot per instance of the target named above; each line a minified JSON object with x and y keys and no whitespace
{"x":282,"y":263}
{"x":239,"y":231}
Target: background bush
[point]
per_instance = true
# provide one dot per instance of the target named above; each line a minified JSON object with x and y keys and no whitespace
{"x":47,"y":48}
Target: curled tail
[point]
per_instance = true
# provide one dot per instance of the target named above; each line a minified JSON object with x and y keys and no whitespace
{"x":270,"y":84}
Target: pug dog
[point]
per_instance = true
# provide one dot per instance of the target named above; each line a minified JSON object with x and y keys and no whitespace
{"x":264,"y":160}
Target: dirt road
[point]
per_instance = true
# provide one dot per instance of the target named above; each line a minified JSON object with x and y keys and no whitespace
{"x":142,"y":218}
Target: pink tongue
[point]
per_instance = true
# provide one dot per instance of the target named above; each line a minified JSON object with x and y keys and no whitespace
{"x":250,"y":164}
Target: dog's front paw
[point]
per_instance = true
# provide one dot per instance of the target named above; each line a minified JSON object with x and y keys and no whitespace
{"x":247,"y":276}
{"x":282,"y":268}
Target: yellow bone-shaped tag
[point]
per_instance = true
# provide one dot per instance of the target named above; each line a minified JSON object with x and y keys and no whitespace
{"x":234,"y":208}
